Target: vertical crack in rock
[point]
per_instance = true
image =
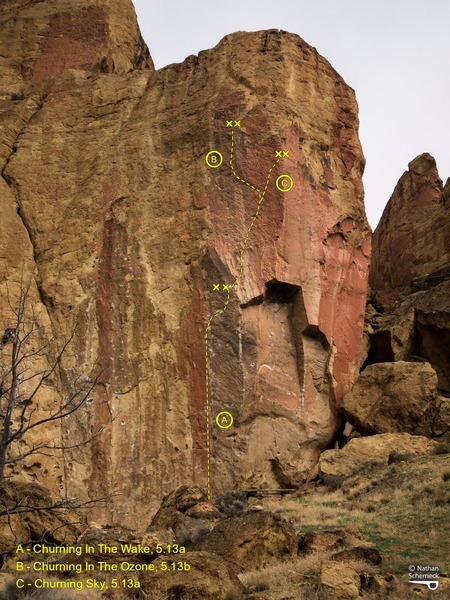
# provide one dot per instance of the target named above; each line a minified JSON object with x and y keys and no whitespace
{"x":18,"y":120}
{"x":279,"y":292}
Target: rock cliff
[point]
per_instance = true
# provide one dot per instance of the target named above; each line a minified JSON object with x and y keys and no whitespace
{"x":412,"y":241}
{"x":133,"y":232}
{"x":405,"y":382}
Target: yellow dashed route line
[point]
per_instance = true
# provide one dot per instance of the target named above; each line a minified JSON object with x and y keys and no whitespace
{"x":233,"y":170}
{"x":262,"y":194}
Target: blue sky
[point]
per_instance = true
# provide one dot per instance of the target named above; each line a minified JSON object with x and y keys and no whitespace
{"x":394,"y":53}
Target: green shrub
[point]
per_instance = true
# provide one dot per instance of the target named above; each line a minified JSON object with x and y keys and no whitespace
{"x":400,"y":457}
{"x":232,"y":503}
{"x":255,"y":582}
{"x":441,"y":449}
{"x":333,"y":482}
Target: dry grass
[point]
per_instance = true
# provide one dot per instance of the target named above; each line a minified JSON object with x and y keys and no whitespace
{"x":403,"y":510}
{"x":415,"y":524}
{"x":255,"y":581}
{"x":286,"y":580}
{"x":297,"y":579}
{"x":319,"y":510}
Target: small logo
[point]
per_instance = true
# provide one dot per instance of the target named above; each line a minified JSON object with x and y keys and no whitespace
{"x":424,"y":575}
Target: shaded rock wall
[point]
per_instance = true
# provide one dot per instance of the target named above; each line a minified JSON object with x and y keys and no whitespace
{"x":408,"y":315}
{"x":106,"y":193}
{"x":412,"y":240}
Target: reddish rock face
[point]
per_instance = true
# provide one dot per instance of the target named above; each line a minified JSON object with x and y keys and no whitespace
{"x":412,"y":240}
{"x":130,"y":231}
{"x":43,"y":39}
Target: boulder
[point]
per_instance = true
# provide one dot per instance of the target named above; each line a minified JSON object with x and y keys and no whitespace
{"x":186,"y":513}
{"x":332,"y":540}
{"x":204,"y":510}
{"x":253,"y":540}
{"x":60,"y":526}
{"x":375,"y":448}
{"x":110,"y":536}
{"x":377,"y":584}
{"x":338,"y":581}
{"x":415,"y":328}
{"x":177,"y":503}
{"x":207,"y":577}
{"x":441,"y":425}
{"x":126,"y":541}
{"x":397,"y":397}
{"x":153,"y":537}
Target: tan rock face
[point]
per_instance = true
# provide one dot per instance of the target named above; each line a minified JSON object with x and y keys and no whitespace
{"x":352,"y":456}
{"x":415,"y":327}
{"x":66,"y":524}
{"x":338,"y":581}
{"x":329,"y":540}
{"x":210,"y":577}
{"x":108,"y":194}
{"x":253,"y":540}
{"x":185,"y":513}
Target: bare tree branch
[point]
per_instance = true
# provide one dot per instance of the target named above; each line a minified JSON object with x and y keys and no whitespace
{"x":71,"y":504}
{"x":38,"y":448}
{"x":22,"y":353}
